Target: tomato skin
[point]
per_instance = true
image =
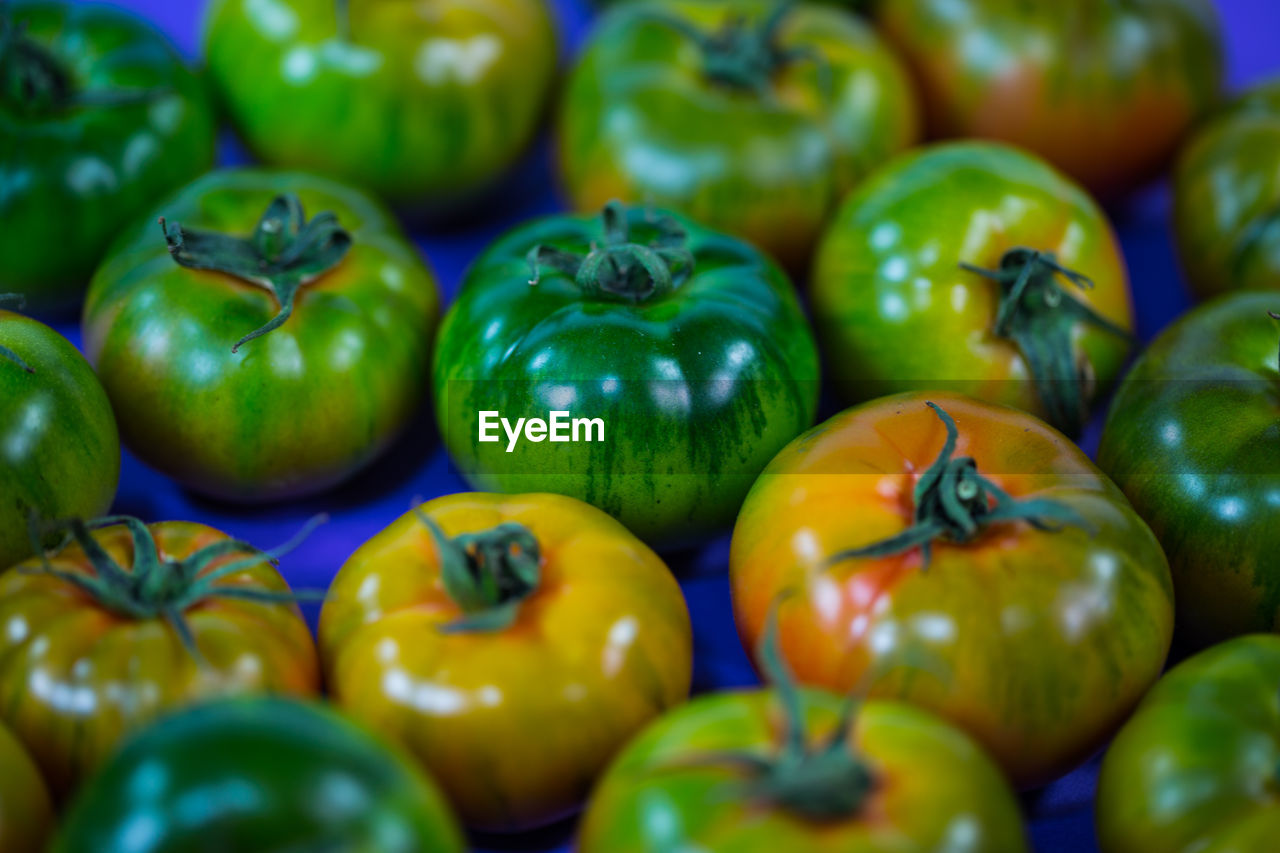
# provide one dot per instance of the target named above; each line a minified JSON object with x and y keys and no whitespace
{"x":1226,"y":193}
{"x":294,"y":412}
{"x":26,"y":814}
{"x":72,"y":175}
{"x":515,"y":724}
{"x":1190,"y":439}
{"x":1104,"y":91}
{"x":59,"y":450}
{"x":894,"y":310}
{"x":76,"y":677}
{"x":1038,"y":643}
{"x":424,"y":104}
{"x":1194,"y":769}
{"x":268,"y":774}
{"x":930,"y":776}
{"x":698,"y":387}
{"x":641,"y":122}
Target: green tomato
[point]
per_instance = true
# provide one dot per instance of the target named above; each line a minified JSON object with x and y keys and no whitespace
{"x":99,"y":120}
{"x":752,"y":121}
{"x":1195,"y":769}
{"x":423,"y":103}
{"x":1192,"y":440}
{"x":689,"y":346}
{"x":260,"y":356}
{"x":977,"y":268}
{"x":258,"y":775}
{"x":59,"y":451}
{"x":1227,"y":197}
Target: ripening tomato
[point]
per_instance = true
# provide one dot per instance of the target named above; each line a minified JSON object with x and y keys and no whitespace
{"x":964,"y":557}
{"x":1195,"y":769}
{"x":26,"y":814}
{"x":978,"y":268}
{"x":752,"y":116}
{"x":1103,"y":90}
{"x":511,"y":643}
{"x":130,"y":621}
{"x":1226,"y":200}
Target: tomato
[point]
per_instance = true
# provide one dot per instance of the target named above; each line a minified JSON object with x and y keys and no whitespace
{"x":511,"y":643}
{"x":689,"y":347}
{"x":978,"y":268}
{"x":130,"y":621}
{"x":1195,"y":768}
{"x":423,"y":103}
{"x":59,"y":451}
{"x":1227,"y":197}
{"x":985,"y":571}
{"x":254,"y":354}
{"x":26,"y":815}
{"x":1103,"y":90}
{"x":753,"y":117}
{"x":1191,"y":438}
{"x":99,"y":120}
{"x":760,"y":771}
{"x":258,"y":775}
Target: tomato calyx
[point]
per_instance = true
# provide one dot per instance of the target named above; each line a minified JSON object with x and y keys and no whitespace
{"x":285,"y":252}
{"x":18,"y":302}
{"x":617,"y":268}
{"x":1040,"y":317}
{"x":488,"y":574}
{"x":744,"y":56}
{"x":826,"y":781}
{"x":956,"y":503}
{"x":155,"y":586}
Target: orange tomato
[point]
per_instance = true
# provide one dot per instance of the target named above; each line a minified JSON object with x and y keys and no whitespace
{"x":512,"y":649}
{"x":26,"y":815}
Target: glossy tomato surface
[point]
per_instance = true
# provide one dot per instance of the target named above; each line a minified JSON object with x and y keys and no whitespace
{"x":1227,"y":197}
{"x":896,"y":310}
{"x":514,"y":722}
{"x":99,"y":120}
{"x":1195,"y":768}
{"x":698,"y":379}
{"x":1192,"y":439}
{"x":756,"y":136}
{"x":26,"y":814}
{"x":257,"y":775}
{"x":77,"y":674}
{"x":932,"y":787}
{"x":292,"y":412}
{"x":1037,"y":641}
{"x":422,"y":103}
{"x":1103,"y":90}
{"x":59,"y":451}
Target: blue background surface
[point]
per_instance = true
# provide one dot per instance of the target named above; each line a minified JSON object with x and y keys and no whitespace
{"x":417,"y":467}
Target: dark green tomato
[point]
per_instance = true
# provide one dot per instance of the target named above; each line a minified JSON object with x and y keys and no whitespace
{"x":99,"y":120}
{"x":258,"y":776}
{"x":902,"y":303}
{"x":1103,"y":89}
{"x":751,"y":123}
{"x":423,"y":103}
{"x":297,"y":409}
{"x":700,"y":367}
{"x":1193,"y":438}
{"x":1197,"y":767}
{"x":1227,"y":197}
{"x":59,"y":451}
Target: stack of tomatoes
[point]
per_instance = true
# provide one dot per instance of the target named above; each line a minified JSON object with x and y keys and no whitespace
{"x":947,"y":599}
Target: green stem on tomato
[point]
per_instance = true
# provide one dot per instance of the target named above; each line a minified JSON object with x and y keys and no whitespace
{"x":487,"y":574}
{"x":956,"y":503}
{"x":618,"y":269}
{"x":1040,"y":317}
{"x":342,"y":15}
{"x":285,"y":252}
